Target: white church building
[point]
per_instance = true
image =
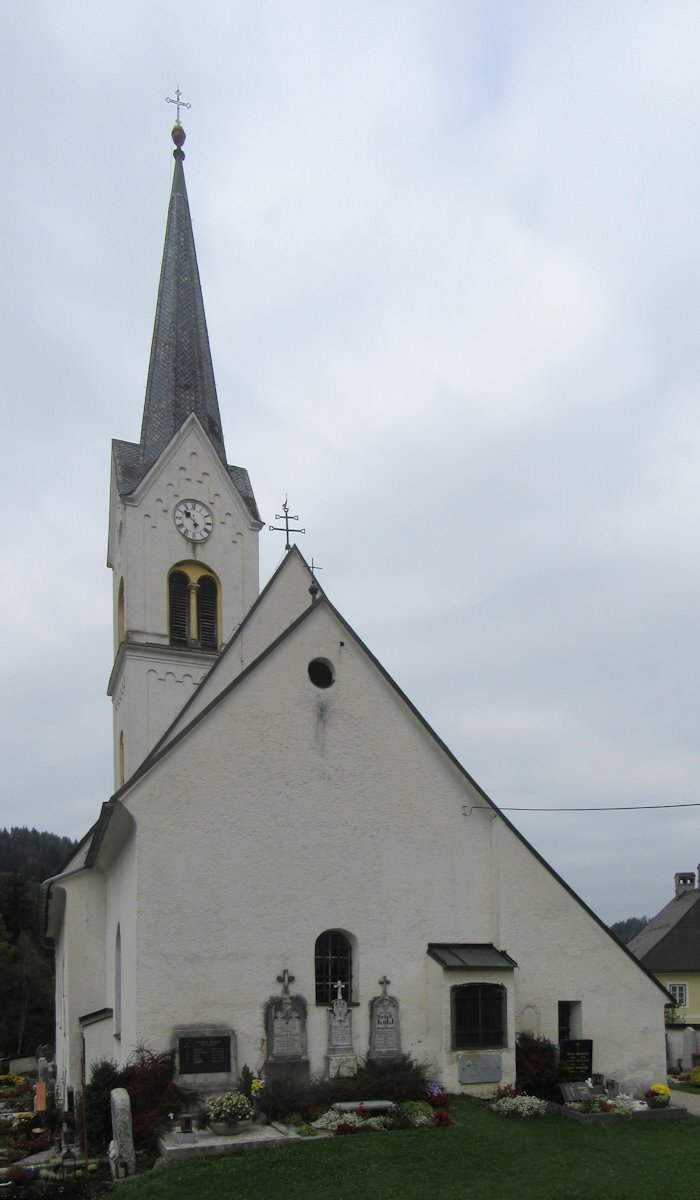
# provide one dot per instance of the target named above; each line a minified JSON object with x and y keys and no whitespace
{"x":294,"y":872}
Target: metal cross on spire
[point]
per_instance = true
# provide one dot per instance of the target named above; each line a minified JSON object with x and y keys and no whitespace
{"x":284,"y":516}
{"x":180,"y":103}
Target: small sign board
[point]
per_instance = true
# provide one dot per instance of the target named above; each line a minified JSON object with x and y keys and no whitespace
{"x":204,"y":1055}
{"x":577,"y":1055}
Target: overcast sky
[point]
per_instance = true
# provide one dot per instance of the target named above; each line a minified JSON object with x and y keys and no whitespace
{"x":450,"y":262}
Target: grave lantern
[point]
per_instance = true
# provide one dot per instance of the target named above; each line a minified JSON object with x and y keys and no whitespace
{"x":67,"y":1163}
{"x":185,"y":1123}
{"x":121,"y":1166}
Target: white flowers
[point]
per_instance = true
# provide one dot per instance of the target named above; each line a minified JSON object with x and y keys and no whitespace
{"x":520,"y":1107}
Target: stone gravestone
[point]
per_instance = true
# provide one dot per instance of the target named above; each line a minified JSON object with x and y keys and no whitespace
{"x":342,"y":1060}
{"x":285,"y":1025}
{"x":690,"y":1042}
{"x":122,"y":1147}
{"x":384,"y":1033}
{"x":577,"y":1055}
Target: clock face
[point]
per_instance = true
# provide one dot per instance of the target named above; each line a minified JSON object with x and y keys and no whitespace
{"x":194,"y":520}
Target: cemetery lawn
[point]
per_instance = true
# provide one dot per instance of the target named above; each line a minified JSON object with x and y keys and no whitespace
{"x":483,"y":1155}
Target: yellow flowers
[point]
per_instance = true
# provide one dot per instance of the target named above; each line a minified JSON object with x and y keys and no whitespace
{"x":660,"y":1089}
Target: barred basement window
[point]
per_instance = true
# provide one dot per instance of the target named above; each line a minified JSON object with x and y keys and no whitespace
{"x":333,"y":964}
{"x":478,"y":1015}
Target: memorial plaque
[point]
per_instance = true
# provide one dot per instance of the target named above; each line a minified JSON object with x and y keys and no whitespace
{"x":573,"y":1093}
{"x":577,"y":1055}
{"x":480,"y":1067}
{"x":385,"y":1039}
{"x":204,"y":1055}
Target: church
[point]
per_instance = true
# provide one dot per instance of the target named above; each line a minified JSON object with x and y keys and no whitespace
{"x":294,"y":873}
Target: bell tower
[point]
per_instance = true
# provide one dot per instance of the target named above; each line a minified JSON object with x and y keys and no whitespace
{"x":183,"y":523}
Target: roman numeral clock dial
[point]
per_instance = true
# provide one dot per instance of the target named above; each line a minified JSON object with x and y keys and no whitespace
{"x":194,"y":520}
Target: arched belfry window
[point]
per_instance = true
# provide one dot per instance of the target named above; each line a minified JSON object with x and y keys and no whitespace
{"x":193,"y":607}
{"x":333,"y":964}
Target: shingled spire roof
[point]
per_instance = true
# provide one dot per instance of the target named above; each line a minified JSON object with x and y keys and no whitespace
{"x":180,"y":372}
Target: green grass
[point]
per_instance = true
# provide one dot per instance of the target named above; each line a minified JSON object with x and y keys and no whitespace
{"x":483,"y":1156}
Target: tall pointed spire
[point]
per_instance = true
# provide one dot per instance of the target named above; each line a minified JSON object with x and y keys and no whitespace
{"x":180,"y":372}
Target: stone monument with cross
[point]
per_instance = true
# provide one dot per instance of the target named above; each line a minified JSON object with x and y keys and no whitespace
{"x":342,"y":1059}
{"x":285,"y":1028}
{"x":384,"y":1029}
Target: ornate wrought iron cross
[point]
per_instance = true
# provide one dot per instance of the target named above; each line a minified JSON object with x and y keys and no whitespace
{"x":180,"y":103}
{"x":284,"y":516}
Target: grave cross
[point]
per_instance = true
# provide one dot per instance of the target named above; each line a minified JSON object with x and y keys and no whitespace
{"x":285,"y":979}
{"x":339,"y":989}
{"x":284,"y":516}
{"x":180,"y":103}
{"x":385,"y":983}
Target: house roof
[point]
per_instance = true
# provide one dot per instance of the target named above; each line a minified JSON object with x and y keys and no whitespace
{"x":671,"y":940}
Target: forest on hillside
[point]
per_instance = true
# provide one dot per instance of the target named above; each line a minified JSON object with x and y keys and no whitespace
{"x":26,"y":967}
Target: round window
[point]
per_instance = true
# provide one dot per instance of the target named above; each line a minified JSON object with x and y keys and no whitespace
{"x":321,"y":672}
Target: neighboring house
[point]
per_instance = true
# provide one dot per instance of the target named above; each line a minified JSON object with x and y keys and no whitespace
{"x":669,"y":947}
{"x":294,"y":871}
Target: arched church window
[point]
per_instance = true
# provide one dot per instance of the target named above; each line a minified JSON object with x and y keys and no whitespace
{"x":333,"y":964}
{"x":193,"y":607}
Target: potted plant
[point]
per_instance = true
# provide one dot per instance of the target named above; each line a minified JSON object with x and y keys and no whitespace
{"x":658,"y":1096}
{"x":224,"y":1112}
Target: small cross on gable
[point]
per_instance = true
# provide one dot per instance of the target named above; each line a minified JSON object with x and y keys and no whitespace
{"x":384,"y":982}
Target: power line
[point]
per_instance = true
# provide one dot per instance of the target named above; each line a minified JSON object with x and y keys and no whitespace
{"x":597,"y":808}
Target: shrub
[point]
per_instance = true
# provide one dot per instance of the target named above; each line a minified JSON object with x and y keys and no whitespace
{"x":148,"y":1078}
{"x":695,"y":1076}
{"x":104,"y":1076}
{"x":245,"y":1082}
{"x":281,"y":1097}
{"x":537,"y":1067}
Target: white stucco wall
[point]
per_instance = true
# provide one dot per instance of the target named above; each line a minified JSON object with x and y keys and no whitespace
{"x":291,"y":810}
{"x":144,"y":545}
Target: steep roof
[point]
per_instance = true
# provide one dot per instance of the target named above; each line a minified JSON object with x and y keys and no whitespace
{"x":180,"y":372}
{"x":671,"y":941}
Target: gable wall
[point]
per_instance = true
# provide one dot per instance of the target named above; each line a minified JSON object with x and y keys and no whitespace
{"x":290,"y":810}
